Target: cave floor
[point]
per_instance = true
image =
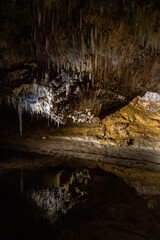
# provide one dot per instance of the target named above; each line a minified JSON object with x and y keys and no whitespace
{"x":72,"y":141}
{"x":82,"y":147}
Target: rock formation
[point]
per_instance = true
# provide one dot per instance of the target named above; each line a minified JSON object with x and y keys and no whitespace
{"x":90,"y":65}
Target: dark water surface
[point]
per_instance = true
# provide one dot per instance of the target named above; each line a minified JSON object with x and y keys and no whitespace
{"x":110,"y":209}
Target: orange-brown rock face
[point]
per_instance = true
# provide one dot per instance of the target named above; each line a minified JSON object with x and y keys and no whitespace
{"x":136,"y":124}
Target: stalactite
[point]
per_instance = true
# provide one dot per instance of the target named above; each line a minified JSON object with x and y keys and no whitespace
{"x":20,"y":117}
{"x":88,"y":87}
{"x":100,"y":67}
{"x":49,"y":8}
{"x":81,"y":65}
{"x":83,"y":47}
{"x":93,"y":80}
{"x":90,"y":65}
{"x":105,"y":68}
{"x":80,"y":14}
{"x":21,"y":182}
{"x":68,"y":66}
{"x":14,"y":103}
{"x":35,"y":33}
{"x":31,"y":116}
{"x":48,"y":121}
{"x":8,"y":101}
{"x":95,"y":62}
{"x":58,"y":18}
{"x":101,"y":40}
{"x":44,"y":17}
{"x":68,"y":12}
{"x":77,"y":66}
{"x":39,"y":17}
{"x":53,"y":23}
{"x":92,"y":41}
{"x":58,"y":66}
{"x":47,"y":43}
{"x":73,"y":40}
{"x":95,"y":33}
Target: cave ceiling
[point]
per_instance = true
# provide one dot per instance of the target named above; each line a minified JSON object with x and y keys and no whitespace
{"x":58,"y":58}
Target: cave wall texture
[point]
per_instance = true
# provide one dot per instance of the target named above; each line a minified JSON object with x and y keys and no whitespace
{"x":91,"y":62}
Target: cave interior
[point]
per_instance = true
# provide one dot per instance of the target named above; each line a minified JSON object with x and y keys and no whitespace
{"x":80,"y":119}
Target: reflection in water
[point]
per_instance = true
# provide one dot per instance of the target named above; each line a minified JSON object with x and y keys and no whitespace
{"x":43,"y":201}
{"x":63,"y":196}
